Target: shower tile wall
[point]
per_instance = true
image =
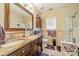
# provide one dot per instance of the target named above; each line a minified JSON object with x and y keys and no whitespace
{"x":76,"y":28}
{"x":65,"y":28}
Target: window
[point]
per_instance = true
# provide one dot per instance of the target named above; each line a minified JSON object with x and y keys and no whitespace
{"x":51,"y":23}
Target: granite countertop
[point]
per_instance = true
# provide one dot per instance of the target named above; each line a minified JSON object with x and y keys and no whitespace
{"x":7,"y":50}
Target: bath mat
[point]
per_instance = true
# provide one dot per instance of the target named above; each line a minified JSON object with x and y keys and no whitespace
{"x":53,"y":48}
{"x":50,"y":47}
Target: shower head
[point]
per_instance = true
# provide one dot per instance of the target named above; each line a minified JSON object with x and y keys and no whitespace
{"x":74,"y":15}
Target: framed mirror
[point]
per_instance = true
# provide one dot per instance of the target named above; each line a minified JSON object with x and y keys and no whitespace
{"x":17,"y":18}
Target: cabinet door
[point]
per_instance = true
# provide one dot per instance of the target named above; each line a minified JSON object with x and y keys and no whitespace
{"x":33,"y":50}
{"x":26,"y":50}
{"x":39,"y":45}
{"x":40,"y":41}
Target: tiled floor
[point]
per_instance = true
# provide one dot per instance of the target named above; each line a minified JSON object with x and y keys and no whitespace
{"x":49,"y":52}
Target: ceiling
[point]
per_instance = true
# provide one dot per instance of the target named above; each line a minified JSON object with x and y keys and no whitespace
{"x":43,"y":7}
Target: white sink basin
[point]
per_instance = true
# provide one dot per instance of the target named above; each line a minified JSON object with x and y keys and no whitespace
{"x":14,"y":43}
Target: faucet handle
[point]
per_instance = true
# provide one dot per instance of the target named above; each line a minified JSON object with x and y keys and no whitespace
{"x":11,"y":36}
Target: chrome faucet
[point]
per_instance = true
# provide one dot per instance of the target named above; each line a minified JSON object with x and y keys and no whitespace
{"x":11,"y":37}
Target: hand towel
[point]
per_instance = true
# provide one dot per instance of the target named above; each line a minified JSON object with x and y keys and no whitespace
{"x":2,"y":35}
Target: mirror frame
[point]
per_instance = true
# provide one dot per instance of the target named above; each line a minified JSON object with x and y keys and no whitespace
{"x":7,"y":17}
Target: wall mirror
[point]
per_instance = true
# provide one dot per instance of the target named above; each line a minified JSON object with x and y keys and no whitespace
{"x":17,"y":17}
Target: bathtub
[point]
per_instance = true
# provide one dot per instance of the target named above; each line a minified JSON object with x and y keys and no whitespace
{"x":69,"y":48}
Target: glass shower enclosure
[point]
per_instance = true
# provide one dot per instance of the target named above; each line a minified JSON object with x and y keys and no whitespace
{"x":70,"y":36}
{"x":71,"y":28}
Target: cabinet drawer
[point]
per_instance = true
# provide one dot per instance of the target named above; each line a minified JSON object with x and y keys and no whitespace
{"x":26,"y":47}
{"x":26,"y":53}
{"x":22,"y":51}
{"x":17,"y":53}
{"x":34,"y":53}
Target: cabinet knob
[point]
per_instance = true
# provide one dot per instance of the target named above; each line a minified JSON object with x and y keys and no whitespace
{"x":22,"y":51}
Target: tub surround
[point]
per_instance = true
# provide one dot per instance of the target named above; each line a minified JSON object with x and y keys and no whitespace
{"x":69,"y":48}
{"x":7,"y":50}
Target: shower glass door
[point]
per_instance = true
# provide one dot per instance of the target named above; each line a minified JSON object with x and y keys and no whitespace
{"x":70,"y":24}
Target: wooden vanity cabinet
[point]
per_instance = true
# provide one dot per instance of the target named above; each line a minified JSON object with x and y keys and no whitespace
{"x":33,"y":48}
{"x":40,"y":49}
{"x":21,"y":51}
{"x":33,"y":51}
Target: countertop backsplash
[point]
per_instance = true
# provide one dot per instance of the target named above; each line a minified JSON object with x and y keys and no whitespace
{"x":10,"y":36}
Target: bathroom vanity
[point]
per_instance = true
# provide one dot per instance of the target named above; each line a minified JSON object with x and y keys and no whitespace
{"x":30,"y":47}
{"x":18,"y":21}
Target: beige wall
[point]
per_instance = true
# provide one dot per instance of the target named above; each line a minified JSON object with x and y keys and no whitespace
{"x":2,"y":14}
{"x":59,"y":14}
